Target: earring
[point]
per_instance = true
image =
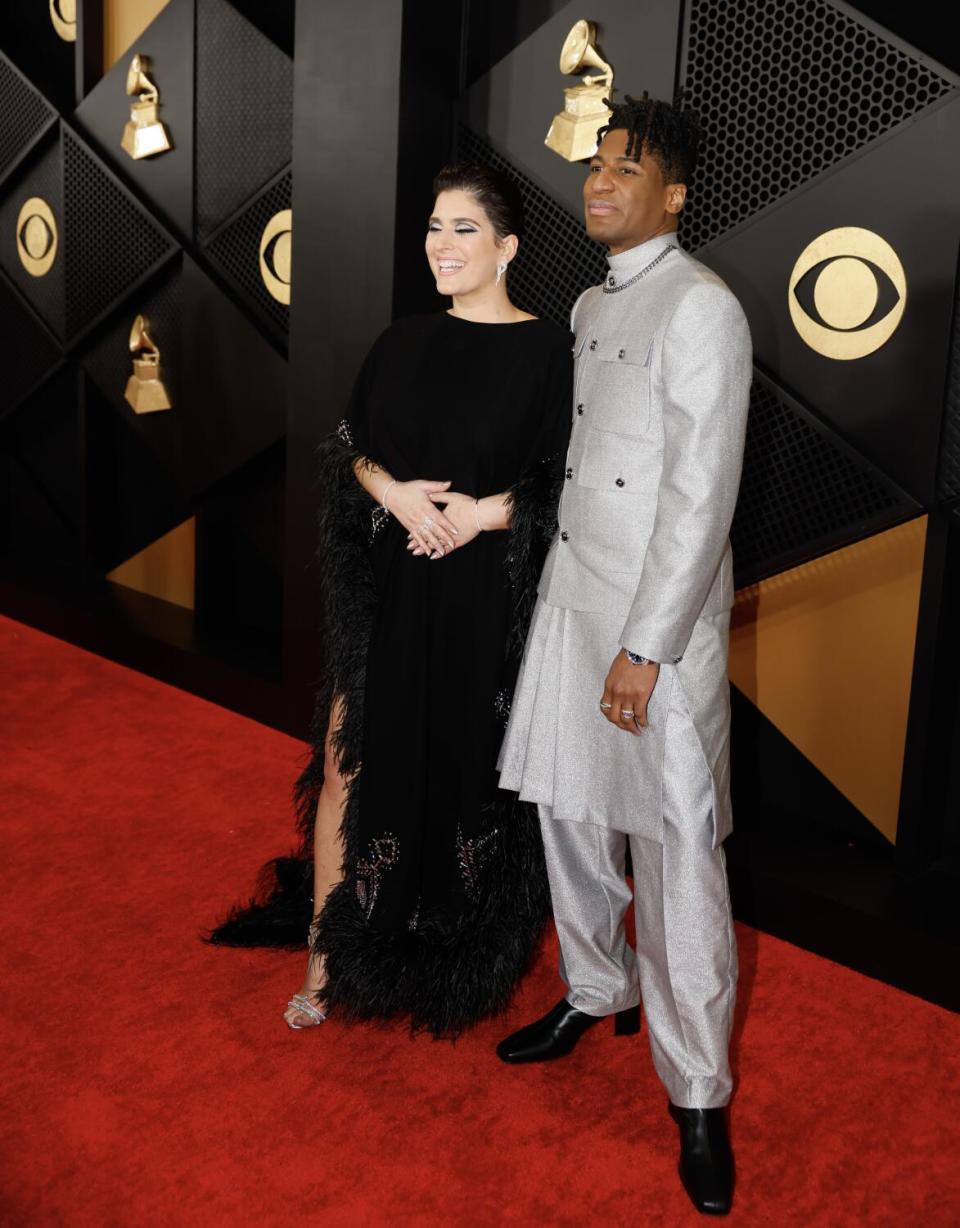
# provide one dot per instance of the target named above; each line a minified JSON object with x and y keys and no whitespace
{"x":501,"y":269}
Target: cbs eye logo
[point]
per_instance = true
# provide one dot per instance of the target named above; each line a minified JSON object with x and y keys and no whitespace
{"x":36,"y":237}
{"x":276,"y":252}
{"x":63,"y":14}
{"x":847,"y":293}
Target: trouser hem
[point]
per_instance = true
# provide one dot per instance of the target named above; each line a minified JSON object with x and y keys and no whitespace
{"x":697,"y":1093}
{"x":590,"y":1006}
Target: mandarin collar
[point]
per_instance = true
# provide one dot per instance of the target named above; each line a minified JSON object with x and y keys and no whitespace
{"x":625,"y":264}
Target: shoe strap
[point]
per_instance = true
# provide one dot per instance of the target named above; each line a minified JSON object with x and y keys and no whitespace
{"x":300,"y":1003}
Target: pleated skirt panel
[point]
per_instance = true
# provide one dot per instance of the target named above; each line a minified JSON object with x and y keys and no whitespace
{"x":559,"y":750}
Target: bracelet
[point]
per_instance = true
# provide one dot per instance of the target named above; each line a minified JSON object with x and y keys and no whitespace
{"x":386,"y":490}
{"x":476,"y":512}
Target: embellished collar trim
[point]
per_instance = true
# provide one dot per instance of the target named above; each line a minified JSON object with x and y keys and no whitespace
{"x":625,"y":266}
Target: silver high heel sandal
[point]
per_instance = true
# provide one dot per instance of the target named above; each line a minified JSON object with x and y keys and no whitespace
{"x":304,"y":1006}
{"x":300,"y":1002}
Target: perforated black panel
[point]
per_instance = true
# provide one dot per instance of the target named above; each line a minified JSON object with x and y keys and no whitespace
{"x":235,"y":251}
{"x":40,"y":176}
{"x":112,"y":242}
{"x":948,"y":474}
{"x":24,"y":113}
{"x":244,"y":112}
{"x":556,"y":260}
{"x":786,"y":90}
{"x":803,"y":492}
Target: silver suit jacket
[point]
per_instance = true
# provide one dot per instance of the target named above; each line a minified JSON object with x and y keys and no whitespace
{"x":662,"y":384}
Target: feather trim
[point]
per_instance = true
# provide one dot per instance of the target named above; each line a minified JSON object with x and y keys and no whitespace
{"x":444,"y":976}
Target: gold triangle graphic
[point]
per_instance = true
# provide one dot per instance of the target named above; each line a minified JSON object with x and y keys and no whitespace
{"x":165,"y":568}
{"x":825,"y":651}
{"x":123,"y":23}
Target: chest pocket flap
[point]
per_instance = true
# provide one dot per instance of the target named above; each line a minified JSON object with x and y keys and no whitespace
{"x":620,"y":386}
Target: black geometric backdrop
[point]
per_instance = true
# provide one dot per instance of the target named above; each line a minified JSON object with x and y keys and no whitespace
{"x":948,"y":484}
{"x":803,"y":86}
{"x":176,"y":238}
{"x":797,"y":97}
{"x":785,"y":91}
{"x":25,"y":114}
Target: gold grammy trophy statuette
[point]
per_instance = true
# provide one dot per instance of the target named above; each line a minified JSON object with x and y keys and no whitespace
{"x":145,"y":133}
{"x":145,"y":391}
{"x":573,"y":133}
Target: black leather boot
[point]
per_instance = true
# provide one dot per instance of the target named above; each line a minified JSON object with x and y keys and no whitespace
{"x":556,"y":1034}
{"x":706,"y":1161}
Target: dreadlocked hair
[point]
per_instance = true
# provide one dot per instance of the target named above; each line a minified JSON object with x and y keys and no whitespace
{"x":668,"y":131}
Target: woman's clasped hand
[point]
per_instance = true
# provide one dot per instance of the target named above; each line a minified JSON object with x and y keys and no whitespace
{"x":429,"y":528}
{"x":458,"y":519}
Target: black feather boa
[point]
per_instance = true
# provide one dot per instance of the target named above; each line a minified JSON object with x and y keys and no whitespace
{"x":444,"y":979}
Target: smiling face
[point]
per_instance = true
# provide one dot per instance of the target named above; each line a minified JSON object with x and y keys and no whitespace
{"x":462,"y":247}
{"x":625,"y":200}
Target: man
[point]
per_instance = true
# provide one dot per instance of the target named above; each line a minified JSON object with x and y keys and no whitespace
{"x":620,"y":723}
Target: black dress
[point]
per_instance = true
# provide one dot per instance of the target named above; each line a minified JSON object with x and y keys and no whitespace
{"x":444,"y":892}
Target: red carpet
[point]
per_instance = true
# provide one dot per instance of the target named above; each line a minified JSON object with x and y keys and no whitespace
{"x":150,"y":1080}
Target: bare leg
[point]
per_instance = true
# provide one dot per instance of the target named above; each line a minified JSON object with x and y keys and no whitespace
{"x":327,"y":856}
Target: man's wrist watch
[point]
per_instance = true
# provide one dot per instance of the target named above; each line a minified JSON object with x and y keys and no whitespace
{"x":635,"y":658}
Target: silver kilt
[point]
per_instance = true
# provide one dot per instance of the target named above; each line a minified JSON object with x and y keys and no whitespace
{"x":560,"y":751}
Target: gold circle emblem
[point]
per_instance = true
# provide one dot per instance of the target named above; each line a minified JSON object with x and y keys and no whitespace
{"x":63,"y":14}
{"x":36,"y":237}
{"x":276,"y":255}
{"x":859,"y":292}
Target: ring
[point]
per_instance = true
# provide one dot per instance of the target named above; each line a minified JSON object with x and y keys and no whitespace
{"x":626,"y":712}
{"x":605,"y":707}
{"x":429,"y":522}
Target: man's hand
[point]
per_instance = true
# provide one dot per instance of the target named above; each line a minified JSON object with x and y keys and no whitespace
{"x":626,"y":693}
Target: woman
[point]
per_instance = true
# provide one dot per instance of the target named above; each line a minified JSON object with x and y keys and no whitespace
{"x":439,"y":492}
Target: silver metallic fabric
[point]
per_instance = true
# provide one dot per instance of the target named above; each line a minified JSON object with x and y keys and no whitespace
{"x":661,"y":395}
{"x":561,"y":751}
{"x":642,"y":561}
{"x":685,"y":967}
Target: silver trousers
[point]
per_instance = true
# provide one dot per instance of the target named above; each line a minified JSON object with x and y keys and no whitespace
{"x":684,"y":969}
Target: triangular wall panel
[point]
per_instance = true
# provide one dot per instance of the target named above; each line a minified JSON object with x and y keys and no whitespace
{"x":25,"y":114}
{"x":244,"y":112}
{"x":105,"y":261}
{"x":40,"y":176}
{"x":888,"y":403}
{"x":825,"y":651}
{"x":234,"y":251}
{"x":164,"y":182}
{"x":785,"y":91}
{"x":164,"y":569}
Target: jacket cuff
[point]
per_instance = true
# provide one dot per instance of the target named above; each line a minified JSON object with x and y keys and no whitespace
{"x":646,"y":645}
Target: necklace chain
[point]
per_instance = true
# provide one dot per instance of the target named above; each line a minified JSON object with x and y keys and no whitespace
{"x":672,"y":247}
